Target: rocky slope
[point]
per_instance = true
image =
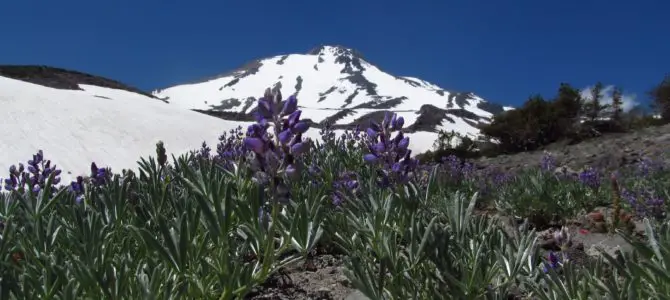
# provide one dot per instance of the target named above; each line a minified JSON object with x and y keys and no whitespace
{"x":63,"y":79}
{"x":606,"y":153}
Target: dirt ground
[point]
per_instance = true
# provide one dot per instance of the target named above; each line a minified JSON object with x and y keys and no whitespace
{"x":323,"y":279}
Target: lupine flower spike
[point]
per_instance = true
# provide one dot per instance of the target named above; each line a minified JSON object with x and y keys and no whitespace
{"x":562,"y":238}
{"x":37,"y":173}
{"x":553,"y":262}
{"x":392,"y":154}
{"x":276,"y":157}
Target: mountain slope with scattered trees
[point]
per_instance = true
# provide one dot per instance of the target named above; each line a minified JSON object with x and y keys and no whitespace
{"x":568,"y":118}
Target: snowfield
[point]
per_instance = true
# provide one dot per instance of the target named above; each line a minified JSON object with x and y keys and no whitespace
{"x":107,"y":126}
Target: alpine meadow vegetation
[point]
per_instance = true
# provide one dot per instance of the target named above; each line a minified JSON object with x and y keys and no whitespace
{"x":218,"y":223}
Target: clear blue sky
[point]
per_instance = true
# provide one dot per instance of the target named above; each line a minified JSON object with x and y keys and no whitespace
{"x":501,"y":50}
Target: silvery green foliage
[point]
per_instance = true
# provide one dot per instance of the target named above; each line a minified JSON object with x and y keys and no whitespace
{"x":401,"y":249}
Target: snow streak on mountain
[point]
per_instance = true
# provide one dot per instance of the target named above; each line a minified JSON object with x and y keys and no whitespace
{"x":337,"y":85}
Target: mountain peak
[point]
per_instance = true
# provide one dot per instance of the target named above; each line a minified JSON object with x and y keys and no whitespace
{"x":337,"y":87}
{"x":335,"y":50}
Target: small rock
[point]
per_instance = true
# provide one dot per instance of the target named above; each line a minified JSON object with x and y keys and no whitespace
{"x":323,"y":293}
{"x":341,"y":278}
{"x":596,"y":216}
{"x":599,"y":227}
{"x":356,"y":295}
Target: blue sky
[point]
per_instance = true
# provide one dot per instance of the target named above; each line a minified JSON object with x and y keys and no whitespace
{"x":501,"y":50}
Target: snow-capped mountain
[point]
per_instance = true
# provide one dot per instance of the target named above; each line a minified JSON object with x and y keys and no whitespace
{"x":337,"y":85}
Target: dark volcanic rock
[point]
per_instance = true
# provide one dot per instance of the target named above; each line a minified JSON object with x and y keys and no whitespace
{"x":430,"y":117}
{"x":227,"y":104}
{"x":282,"y":59}
{"x":388,"y":104}
{"x":337,"y":116}
{"x":461,"y":99}
{"x":409,"y":81}
{"x":298,"y":85}
{"x":63,"y":79}
{"x":226,"y":115}
{"x":341,"y":51}
{"x":493,"y":108}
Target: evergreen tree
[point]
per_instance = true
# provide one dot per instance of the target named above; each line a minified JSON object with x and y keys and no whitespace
{"x":660,"y":96}
{"x":594,"y":108}
{"x":568,"y":102}
{"x":567,"y":107}
{"x":617,"y":104}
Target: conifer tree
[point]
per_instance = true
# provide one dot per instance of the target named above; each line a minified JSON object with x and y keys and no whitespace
{"x":594,"y":107}
{"x":660,"y":96}
{"x":617,"y":104}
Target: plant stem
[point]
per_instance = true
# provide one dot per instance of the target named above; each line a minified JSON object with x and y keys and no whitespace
{"x":382,"y":272}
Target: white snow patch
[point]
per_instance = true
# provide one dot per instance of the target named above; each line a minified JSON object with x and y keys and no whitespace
{"x":75,"y":128}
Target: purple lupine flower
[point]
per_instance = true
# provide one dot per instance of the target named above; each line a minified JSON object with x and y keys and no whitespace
{"x":457,"y":170}
{"x":350,"y":140}
{"x":655,"y":206}
{"x":161,"y":155}
{"x":392,"y":154}
{"x":99,"y":176}
{"x":553,"y":262}
{"x":230,"y":148}
{"x":590,"y":177}
{"x":277,"y":157}
{"x":314,"y":172}
{"x":204,"y":151}
{"x":646,"y":167}
{"x":562,"y":238}
{"x":37,"y":174}
{"x":548,"y":163}
{"x":327,"y":134}
{"x":345,"y":185}
{"x":468,"y":170}
{"x":77,"y":188}
{"x":645,"y":202}
{"x":491,"y":179}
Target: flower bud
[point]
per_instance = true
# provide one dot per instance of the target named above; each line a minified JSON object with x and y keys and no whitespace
{"x":290,"y":105}
{"x":299,"y":148}
{"x":255,"y":144}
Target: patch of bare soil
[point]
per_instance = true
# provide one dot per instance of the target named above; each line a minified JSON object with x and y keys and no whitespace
{"x":321,"y":279}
